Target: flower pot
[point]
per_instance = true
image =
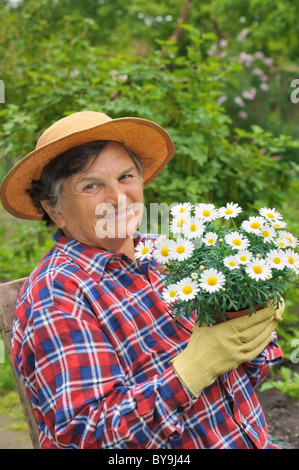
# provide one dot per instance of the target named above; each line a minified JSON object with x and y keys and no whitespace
{"x":234,"y":314}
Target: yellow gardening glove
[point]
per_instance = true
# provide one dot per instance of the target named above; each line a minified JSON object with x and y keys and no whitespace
{"x":213,"y":350}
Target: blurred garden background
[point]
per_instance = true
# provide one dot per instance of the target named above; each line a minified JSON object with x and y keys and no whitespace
{"x":222,"y":76}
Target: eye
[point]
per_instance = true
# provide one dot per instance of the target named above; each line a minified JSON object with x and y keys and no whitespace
{"x":126,"y":177}
{"x":90,"y":187}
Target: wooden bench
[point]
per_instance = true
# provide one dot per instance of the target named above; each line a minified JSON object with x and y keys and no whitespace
{"x":9,"y":293}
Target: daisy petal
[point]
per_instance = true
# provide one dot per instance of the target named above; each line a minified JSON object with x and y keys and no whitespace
{"x":212,"y":280}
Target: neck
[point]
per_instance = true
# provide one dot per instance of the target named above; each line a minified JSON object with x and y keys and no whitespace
{"x":125,"y":246}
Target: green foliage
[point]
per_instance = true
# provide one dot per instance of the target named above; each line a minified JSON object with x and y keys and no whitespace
{"x":180,"y":91}
{"x":289,"y":384}
{"x":22,"y":248}
{"x":10,"y":405}
{"x":288,"y":330}
{"x":7,"y":382}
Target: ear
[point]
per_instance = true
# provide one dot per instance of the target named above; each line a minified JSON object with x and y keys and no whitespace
{"x":57,"y":217}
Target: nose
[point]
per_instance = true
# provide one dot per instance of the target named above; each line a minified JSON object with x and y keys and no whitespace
{"x":114,"y":194}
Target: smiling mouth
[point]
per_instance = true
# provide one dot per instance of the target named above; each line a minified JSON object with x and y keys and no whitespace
{"x":117,"y":215}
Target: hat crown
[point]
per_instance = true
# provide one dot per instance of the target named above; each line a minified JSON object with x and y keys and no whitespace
{"x":71,"y":124}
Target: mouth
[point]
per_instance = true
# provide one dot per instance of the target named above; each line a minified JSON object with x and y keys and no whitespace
{"x":119,"y":214}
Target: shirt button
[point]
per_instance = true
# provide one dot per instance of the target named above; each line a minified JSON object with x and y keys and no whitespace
{"x":174,"y":435}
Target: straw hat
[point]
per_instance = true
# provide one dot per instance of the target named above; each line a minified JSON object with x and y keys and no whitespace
{"x":149,"y":141}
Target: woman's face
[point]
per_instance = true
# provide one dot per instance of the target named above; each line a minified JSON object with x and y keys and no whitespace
{"x":102,"y":205}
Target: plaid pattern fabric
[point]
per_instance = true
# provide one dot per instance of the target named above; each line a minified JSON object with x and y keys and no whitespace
{"x":92,"y":340}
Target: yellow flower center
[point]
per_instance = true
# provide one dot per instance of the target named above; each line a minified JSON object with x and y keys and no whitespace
{"x":211,"y":240}
{"x":182,"y":209}
{"x":270,"y":215}
{"x":257,"y":269}
{"x":276,"y":260}
{"x":228,"y":211}
{"x":206,"y":213}
{"x":291,"y":260}
{"x":144,"y":250}
{"x":290,"y":240}
{"x":243,"y":258}
{"x":187,"y":290}
{"x":172,"y":293}
{"x":164,"y":251}
{"x":193,"y":227}
{"x":180,"y":249}
{"x":281,"y":244}
{"x":237,"y":242}
{"x":255,"y":225}
{"x":212,"y":281}
{"x":180,"y":223}
{"x":232,"y":263}
{"x":265,"y":233}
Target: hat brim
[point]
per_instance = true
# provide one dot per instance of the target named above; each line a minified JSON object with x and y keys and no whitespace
{"x":149,"y":141}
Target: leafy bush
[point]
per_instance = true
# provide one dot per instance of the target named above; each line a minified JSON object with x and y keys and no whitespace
{"x":177,"y":90}
{"x":289,"y":384}
{"x":21,"y":248}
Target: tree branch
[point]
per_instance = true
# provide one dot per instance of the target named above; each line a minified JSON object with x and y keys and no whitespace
{"x":182,"y":19}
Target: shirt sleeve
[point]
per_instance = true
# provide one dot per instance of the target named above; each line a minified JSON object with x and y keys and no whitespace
{"x":79,"y":387}
{"x":257,"y":370}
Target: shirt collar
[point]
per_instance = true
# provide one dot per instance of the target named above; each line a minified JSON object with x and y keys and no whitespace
{"x":92,"y":260}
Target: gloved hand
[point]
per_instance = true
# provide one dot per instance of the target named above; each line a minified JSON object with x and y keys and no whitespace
{"x":213,"y":350}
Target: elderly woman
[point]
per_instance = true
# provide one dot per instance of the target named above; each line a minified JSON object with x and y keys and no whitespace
{"x":104,"y":363}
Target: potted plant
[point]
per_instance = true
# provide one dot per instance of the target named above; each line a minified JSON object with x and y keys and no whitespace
{"x":213,"y":269}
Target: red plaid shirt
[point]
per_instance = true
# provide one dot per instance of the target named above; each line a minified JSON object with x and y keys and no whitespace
{"x":92,"y":340}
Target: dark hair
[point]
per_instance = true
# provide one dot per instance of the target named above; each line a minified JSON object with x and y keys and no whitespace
{"x":49,"y":186}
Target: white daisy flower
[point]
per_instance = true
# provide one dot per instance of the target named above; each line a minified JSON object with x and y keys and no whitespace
{"x":193,"y":228}
{"x":170,"y":293}
{"x":277,"y":259}
{"x":282,"y":242}
{"x":194,"y":276}
{"x":161,"y":252}
{"x":268,"y":233}
{"x":291,"y":240}
{"x":278,"y":224}
{"x":161,"y":238}
{"x":181,"y":209}
{"x":144,"y":250}
{"x":177,"y":223}
{"x":292,"y":259}
{"x":187,"y":289}
{"x":212,"y":280}
{"x":210,"y":238}
{"x":237,"y":240}
{"x":206,"y":212}
{"x":181,"y":249}
{"x":253,"y":225}
{"x":270,"y":214}
{"x":229,"y":211}
{"x":231,"y":262}
{"x":258,"y":269}
{"x":243,"y":256}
